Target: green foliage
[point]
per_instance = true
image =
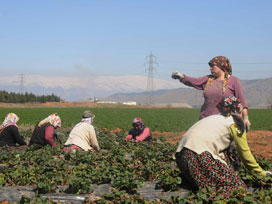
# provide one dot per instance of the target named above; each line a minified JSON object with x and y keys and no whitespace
{"x":257,"y":181}
{"x":36,"y":200}
{"x":110,"y":118}
{"x":48,"y":167}
{"x":168,"y":119}
{"x":13,"y":97}
{"x":260,"y":119}
{"x":123,"y":164}
{"x":207,"y":195}
{"x":170,"y":179}
{"x":122,"y":197}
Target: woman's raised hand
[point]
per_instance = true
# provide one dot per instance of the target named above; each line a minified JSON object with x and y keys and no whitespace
{"x":177,"y":75}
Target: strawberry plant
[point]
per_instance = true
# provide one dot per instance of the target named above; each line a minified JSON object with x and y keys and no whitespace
{"x":124,"y":165}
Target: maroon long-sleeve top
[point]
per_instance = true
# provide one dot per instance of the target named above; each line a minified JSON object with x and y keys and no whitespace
{"x":214,"y":93}
{"x":49,"y":135}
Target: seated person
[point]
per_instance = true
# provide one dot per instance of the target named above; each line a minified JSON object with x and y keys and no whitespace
{"x":139,"y":132}
{"x":83,"y":136}
{"x":9,"y":134}
{"x":44,"y":131}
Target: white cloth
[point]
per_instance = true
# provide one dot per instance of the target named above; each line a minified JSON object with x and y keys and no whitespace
{"x":209,"y":134}
{"x":83,"y":135}
{"x":53,"y":119}
{"x":87,"y":120}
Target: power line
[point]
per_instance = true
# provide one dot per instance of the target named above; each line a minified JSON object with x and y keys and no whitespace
{"x":184,"y":62}
{"x":236,"y":71}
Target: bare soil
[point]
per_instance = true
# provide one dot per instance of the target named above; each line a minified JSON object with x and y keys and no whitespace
{"x":259,"y":141}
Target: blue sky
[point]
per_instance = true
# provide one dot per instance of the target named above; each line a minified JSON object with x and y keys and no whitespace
{"x":113,"y":37}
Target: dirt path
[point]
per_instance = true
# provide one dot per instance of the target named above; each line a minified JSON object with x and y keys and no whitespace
{"x":260,"y":141}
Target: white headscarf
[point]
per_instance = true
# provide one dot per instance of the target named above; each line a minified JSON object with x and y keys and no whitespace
{"x":88,"y":120}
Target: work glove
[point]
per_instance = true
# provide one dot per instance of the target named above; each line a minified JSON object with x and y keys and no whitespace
{"x":174,"y":156}
{"x":268,"y":173}
{"x":177,"y":75}
{"x":247,"y":123}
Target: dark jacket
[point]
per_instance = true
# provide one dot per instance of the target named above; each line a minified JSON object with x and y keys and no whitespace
{"x":10,"y":136}
{"x":38,"y":135}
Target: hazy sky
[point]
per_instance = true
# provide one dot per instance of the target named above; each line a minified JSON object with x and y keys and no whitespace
{"x":113,"y":37}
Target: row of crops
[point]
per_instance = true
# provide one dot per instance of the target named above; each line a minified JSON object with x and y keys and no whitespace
{"x":122,"y":164}
{"x":168,"y":119}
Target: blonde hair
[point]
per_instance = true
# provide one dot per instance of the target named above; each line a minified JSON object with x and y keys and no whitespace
{"x":211,"y":81}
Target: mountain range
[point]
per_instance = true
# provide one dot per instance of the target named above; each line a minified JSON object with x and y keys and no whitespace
{"x":81,"y":87}
{"x":258,"y":94}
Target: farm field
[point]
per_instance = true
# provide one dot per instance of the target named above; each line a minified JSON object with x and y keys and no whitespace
{"x":124,"y":165}
{"x":162,"y":120}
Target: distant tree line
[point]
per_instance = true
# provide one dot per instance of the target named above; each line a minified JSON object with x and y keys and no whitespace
{"x":13,"y":97}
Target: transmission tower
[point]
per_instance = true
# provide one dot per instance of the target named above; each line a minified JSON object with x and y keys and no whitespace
{"x":21,"y":83}
{"x":150,"y":83}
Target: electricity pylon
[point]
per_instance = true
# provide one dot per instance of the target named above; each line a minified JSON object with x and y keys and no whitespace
{"x":150,"y":80}
{"x":21,"y":91}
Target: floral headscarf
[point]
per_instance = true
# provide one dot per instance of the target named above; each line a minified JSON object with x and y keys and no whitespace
{"x":231,"y":106}
{"x":53,"y":119}
{"x":10,"y":119}
{"x":222,"y":62}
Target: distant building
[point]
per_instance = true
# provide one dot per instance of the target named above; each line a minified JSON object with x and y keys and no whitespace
{"x":107,"y":102}
{"x":174,"y":105}
{"x":130,"y":103}
{"x":62,"y":100}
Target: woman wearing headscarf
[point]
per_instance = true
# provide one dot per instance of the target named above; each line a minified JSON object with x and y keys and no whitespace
{"x":83,"y":136}
{"x":139,"y":132}
{"x":219,"y":84}
{"x":43,"y":133}
{"x":9,"y":134}
{"x":201,"y":155}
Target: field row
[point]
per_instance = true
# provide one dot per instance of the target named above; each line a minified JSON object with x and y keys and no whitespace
{"x":163,"y":120}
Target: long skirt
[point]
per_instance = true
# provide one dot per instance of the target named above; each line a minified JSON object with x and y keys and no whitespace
{"x":202,"y":170}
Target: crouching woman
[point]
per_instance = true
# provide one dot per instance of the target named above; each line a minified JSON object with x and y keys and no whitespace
{"x":201,"y":155}
{"x":9,"y":133}
{"x":83,"y":136}
{"x":139,"y":132}
{"x":44,"y":132}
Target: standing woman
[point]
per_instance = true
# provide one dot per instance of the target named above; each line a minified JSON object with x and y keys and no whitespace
{"x":219,"y":84}
{"x":9,"y":134}
{"x":44,"y":131}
